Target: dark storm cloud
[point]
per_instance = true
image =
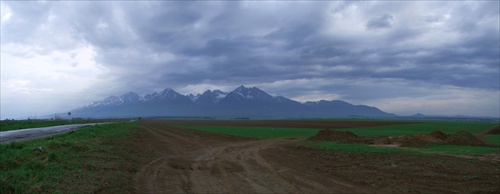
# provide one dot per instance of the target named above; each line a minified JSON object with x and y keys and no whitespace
{"x":174,"y":44}
{"x":230,"y":42}
{"x":381,"y":21}
{"x":213,"y":52}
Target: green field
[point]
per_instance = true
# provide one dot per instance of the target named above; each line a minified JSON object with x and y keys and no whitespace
{"x":392,"y":130}
{"x":493,"y":139}
{"x":432,"y":149}
{"x":81,"y":160}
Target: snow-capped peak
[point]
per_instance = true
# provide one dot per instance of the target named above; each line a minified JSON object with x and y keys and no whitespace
{"x":253,"y":93}
{"x":193,"y":97}
{"x":210,"y":96}
{"x":219,"y":95}
{"x":241,"y":88}
{"x":149,"y":96}
{"x":168,"y":93}
{"x":130,"y":97}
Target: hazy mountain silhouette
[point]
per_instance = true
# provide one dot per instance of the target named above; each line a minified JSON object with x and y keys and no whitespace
{"x":241,"y":102}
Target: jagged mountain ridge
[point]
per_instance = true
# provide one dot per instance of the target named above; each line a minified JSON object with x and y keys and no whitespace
{"x":241,"y":102}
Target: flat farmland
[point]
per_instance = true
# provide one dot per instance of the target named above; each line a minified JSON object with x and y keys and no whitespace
{"x":199,"y":156}
{"x":251,"y":156}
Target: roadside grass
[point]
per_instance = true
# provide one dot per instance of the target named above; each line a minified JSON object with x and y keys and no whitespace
{"x":391,"y":130}
{"x":8,"y":125}
{"x":82,"y":161}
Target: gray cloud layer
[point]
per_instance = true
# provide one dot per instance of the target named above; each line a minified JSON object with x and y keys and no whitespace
{"x":147,"y":46}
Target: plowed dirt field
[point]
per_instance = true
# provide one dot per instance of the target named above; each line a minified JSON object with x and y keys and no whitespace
{"x":176,"y":160}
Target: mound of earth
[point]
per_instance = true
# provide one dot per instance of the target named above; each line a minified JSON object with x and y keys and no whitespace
{"x":463,"y":138}
{"x":383,"y":140}
{"x":333,"y":135}
{"x":439,"y":135}
{"x":495,"y":130}
{"x":436,"y":137}
{"x":414,"y":140}
{"x":417,"y":140}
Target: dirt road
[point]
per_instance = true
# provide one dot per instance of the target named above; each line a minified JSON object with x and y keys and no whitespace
{"x":175,"y":160}
{"x":192,"y":162}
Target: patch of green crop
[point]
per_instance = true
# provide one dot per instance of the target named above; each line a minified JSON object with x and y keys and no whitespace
{"x":430,"y":150}
{"x":493,"y":139}
{"x":457,"y":150}
{"x":77,"y":161}
{"x":330,"y":145}
{"x":257,"y":132}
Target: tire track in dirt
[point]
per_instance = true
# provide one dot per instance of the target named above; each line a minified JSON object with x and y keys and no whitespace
{"x":164,"y":172}
{"x":224,"y":174}
{"x":186,"y":161}
{"x":175,"y":160}
{"x":285,"y":184}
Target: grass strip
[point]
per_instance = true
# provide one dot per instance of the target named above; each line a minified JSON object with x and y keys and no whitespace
{"x":493,"y":139}
{"x":458,"y":150}
{"x":429,"y":150}
{"x":330,"y":145}
{"x":82,"y":161}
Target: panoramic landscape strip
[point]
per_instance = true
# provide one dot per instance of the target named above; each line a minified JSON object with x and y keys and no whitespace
{"x":107,"y":158}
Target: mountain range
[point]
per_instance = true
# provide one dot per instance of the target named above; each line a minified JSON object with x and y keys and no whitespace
{"x":239,"y":103}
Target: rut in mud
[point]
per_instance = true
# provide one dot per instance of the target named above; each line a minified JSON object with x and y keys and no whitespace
{"x":175,"y":160}
{"x":184,"y":161}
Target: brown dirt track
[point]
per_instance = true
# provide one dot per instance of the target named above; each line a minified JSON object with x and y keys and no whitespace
{"x":174,"y":160}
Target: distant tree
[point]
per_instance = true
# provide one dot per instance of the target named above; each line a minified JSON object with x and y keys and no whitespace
{"x":69,"y":115}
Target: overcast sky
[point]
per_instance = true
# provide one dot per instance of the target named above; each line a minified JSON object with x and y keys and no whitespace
{"x":431,"y":57}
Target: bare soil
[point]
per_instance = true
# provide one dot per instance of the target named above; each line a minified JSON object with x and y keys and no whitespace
{"x":175,"y":160}
{"x":333,"y":135}
{"x":495,"y":130}
{"x":437,"y":137}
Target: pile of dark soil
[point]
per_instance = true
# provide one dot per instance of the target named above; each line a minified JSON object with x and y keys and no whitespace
{"x":417,"y":140}
{"x":436,"y":137}
{"x":495,"y":130}
{"x":421,"y":139}
{"x":332,"y":135}
{"x":463,"y":138}
{"x":439,"y":135}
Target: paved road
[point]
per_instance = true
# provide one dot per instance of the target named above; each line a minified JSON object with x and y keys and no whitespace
{"x":34,"y":133}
